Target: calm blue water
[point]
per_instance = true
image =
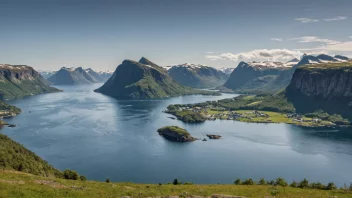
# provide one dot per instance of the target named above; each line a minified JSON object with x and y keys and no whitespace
{"x":101,"y":138}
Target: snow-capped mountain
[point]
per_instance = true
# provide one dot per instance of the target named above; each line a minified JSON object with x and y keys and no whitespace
{"x":227,"y":70}
{"x":71,"y":75}
{"x":196,"y":75}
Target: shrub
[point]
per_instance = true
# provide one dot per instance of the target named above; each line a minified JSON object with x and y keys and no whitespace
{"x":304,"y":183}
{"x":317,"y":185}
{"x":248,"y":182}
{"x":262,"y":181}
{"x":107,"y":180}
{"x":280,"y":182}
{"x":331,"y":186}
{"x":274,"y":191}
{"x":293,"y":184}
{"x":83,"y":178}
{"x":271,"y":182}
{"x":72,"y":175}
{"x":176,"y":182}
{"x":188,"y":183}
{"x":238,"y":181}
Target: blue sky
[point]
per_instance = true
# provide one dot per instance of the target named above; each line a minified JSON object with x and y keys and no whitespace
{"x":49,"y":34}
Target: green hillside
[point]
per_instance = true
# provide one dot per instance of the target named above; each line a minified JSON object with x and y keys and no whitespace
{"x":14,"y":156}
{"x":135,"y":80}
{"x":18,"y":185}
{"x":19,"y":81}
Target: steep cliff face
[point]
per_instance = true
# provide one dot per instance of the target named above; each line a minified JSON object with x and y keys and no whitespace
{"x":197,"y":76}
{"x":326,"y":86}
{"x":17,"y":81}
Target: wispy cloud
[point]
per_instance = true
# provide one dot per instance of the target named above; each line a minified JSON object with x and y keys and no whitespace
{"x":210,"y":52}
{"x":314,"y":39}
{"x":277,"y":39}
{"x":306,"y":20}
{"x":338,"y":18}
{"x":258,"y":54}
{"x":351,"y":37}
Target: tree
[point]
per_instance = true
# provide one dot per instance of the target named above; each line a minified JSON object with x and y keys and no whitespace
{"x":317,"y":185}
{"x":107,"y":180}
{"x":304,"y":183}
{"x":262,"y":181}
{"x":331,"y":186}
{"x":176,"y":182}
{"x":248,"y":182}
{"x":69,"y":174}
{"x":293,"y":184}
{"x":20,"y":167}
{"x":238,"y":181}
{"x":280,"y":182}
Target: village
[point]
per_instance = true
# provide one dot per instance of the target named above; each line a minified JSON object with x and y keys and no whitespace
{"x":210,"y":112}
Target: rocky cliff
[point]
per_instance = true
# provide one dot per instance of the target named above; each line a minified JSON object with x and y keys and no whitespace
{"x":17,"y":81}
{"x":197,"y":76}
{"x":326,"y":86}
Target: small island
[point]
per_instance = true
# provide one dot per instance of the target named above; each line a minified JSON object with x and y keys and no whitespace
{"x":175,"y":133}
{"x":210,"y":136}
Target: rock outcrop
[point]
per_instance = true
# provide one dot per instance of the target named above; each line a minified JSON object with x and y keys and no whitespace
{"x":17,"y":81}
{"x":326,"y":86}
{"x":175,"y":133}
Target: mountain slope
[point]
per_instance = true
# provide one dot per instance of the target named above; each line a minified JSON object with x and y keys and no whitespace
{"x":17,"y":81}
{"x":14,"y":156}
{"x":135,"y":80}
{"x":197,"y":76}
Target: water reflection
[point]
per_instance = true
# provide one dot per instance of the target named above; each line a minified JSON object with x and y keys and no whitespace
{"x":101,"y":138}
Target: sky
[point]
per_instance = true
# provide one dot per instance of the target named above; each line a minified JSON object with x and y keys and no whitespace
{"x":50,"y":34}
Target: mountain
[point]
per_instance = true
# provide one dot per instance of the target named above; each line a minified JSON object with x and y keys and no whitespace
{"x":98,"y":76}
{"x":197,"y":76}
{"x":105,"y":75}
{"x":322,"y":86}
{"x":254,"y":76}
{"x":143,"y":80}
{"x":227,"y":70}
{"x":47,"y":74}
{"x":272,"y":76}
{"x":17,"y":81}
{"x":72,"y":76}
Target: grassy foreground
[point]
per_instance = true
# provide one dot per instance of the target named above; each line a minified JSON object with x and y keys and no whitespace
{"x":17,"y":184}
